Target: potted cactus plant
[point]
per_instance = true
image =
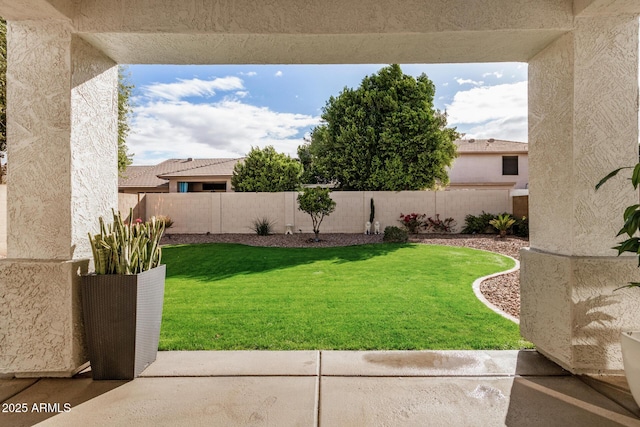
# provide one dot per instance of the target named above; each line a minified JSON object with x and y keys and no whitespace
{"x":122,"y":301}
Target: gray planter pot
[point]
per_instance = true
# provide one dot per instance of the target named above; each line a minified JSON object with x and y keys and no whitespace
{"x":122,"y":317}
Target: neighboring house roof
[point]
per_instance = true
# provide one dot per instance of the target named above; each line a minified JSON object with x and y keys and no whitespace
{"x":157,"y":176}
{"x":491,"y":146}
{"x":204,"y":167}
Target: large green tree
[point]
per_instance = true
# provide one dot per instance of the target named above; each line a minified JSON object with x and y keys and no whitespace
{"x":384,"y":135}
{"x":266,"y":170}
{"x":125,"y":112}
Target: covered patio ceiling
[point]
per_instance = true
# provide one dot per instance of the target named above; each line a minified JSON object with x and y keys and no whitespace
{"x":290,"y":31}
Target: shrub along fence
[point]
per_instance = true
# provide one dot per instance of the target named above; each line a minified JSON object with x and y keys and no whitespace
{"x":236,"y":212}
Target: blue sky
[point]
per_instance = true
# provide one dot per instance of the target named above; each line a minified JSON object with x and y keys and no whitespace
{"x":222,"y":111}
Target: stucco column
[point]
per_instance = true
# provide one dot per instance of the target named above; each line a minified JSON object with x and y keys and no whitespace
{"x":583,"y":123}
{"x":62,"y":145}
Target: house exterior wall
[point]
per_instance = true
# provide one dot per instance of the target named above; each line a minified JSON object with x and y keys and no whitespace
{"x":3,"y":220}
{"x":198,"y":181}
{"x":470,"y":168}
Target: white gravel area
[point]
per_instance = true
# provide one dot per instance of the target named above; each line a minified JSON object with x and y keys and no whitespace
{"x":502,"y":291}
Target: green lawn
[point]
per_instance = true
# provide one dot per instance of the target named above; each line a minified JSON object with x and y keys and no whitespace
{"x":383,"y":296}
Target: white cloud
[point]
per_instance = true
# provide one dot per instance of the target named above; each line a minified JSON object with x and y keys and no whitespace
{"x":496,"y":74}
{"x":510,"y":129}
{"x":248,"y":74}
{"x":469,"y":82}
{"x":193,"y":87}
{"x":499,"y":111}
{"x":228,"y":128}
{"x":278,"y":73}
{"x":445,"y":84}
{"x":242,"y":94}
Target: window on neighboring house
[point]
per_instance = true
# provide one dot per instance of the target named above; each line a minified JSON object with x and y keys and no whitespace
{"x":214,"y":186}
{"x":509,"y":165}
{"x":183,"y":187}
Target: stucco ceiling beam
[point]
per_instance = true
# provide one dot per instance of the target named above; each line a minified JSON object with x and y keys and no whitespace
{"x":606,"y":7}
{"x":326,"y":17}
{"x":458,"y":47}
{"x":22,"y":10}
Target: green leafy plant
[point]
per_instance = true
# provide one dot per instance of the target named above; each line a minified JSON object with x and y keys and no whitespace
{"x":263,"y":226}
{"x":631,"y":217}
{"x":413,"y":222}
{"x":438,"y":225}
{"x":521,"y":227}
{"x":395,"y":235}
{"x":318,"y":204}
{"x":121,"y":248}
{"x":502,"y":223}
{"x":478,"y":224}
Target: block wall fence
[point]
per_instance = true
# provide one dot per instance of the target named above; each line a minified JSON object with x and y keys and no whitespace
{"x":197,"y":213}
{"x":236,"y":212}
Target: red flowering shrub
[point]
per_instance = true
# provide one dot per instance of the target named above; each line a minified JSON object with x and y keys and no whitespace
{"x":413,"y":222}
{"x":440,"y":226}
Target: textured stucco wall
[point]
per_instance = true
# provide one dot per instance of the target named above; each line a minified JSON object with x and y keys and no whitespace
{"x":484,"y":168}
{"x":289,"y":31}
{"x":583,"y":109}
{"x":571,"y":119}
{"x":328,"y":17}
{"x":61,"y":113}
{"x":36,"y":9}
{"x":605,"y":7}
{"x":3,"y":220}
{"x":41,"y":318}
{"x":62,"y":132}
{"x":94,"y":142}
{"x":570,"y":310}
{"x":39,"y":128}
{"x":235,"y":212}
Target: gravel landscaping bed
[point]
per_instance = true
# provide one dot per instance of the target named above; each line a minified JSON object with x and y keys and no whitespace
{"x":502,"y":291}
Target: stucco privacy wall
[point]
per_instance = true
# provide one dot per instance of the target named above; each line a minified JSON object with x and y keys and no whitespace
{"x":236,"y":212}
{"x":568,"y":308}
{"x":135,"y":202}
{"x":61,"y":104}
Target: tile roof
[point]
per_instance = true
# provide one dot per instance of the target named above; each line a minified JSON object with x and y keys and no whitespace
{"x":490,"y":146}
{"x":204,"y":167}
{"x":158,"y":175}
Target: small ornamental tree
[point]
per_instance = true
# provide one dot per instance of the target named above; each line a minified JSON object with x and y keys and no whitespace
{"x":317,"y":203}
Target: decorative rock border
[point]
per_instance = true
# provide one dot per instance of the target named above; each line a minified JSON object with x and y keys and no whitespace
{"x":485,"y":301}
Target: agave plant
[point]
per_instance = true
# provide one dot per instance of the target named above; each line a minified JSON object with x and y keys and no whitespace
{"x":502,"y":223}
{"x":122,"y":248}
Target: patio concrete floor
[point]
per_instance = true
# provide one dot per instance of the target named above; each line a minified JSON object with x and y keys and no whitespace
{"x":328,"y":388}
